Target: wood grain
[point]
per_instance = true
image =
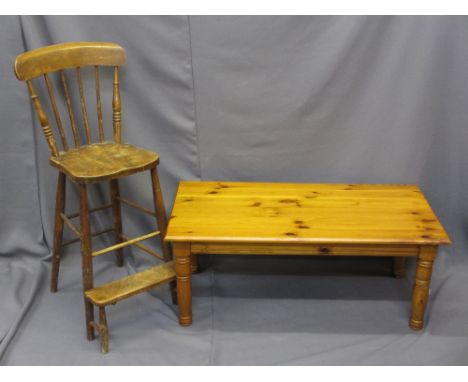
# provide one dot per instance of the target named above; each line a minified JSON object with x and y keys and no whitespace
{"x":71,"y":114}
{"x":88,"y":163}
{"x":68,"y":55}
{"x":60,"y":196}
{"x":58,"y":119}
{"x":104,"y":161}
{"x":125,"y":243}
{"x":241,"y":248}
{"x":130,"y":285}
{"x":303,"y":213}
{"x":86,"y":257}
{"x":103,"y":330}
{"x":184,"y":284}
{"x":160,"y":213}
{"x":117,"y":107}
{"x":43,"y":120}
{"x":59,"y":58}
{"x":421,"y":286}
{"x":99,"y":104}
{"x":84,"y":111}
{"x":304,"y":219}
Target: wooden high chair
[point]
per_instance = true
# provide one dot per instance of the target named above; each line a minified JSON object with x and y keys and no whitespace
{"x":89,"y":162}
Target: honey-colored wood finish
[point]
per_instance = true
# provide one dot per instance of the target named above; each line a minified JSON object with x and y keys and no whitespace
{"x":304,"y":219}
{"x":116,"y":107}
{"x":184,"y":285}
{"x":130,"y":285}
{"x":84,"y":110}
{"x":44,"y":121}
{"x":103,"y":330}
{"x":421,"y":286}
{"x":68,"y":55}
{"x":104,"y":161}
{"x":126,"y":243}
{"x":58,"y":119}
{"x":85,"y":162}
{"x":244,"y":248}
{"x":99,"y":104}
{"x":121,"y":289}
{"x":71,"y":114}
{"x":303,"y":214}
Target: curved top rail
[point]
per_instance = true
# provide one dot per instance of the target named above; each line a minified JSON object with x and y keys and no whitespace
{"x":68,"y":55}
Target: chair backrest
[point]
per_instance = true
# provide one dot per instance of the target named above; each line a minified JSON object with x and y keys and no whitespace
{"x":73,"y":55}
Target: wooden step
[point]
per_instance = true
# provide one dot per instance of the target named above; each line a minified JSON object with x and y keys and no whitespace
{"x":130,"y":285}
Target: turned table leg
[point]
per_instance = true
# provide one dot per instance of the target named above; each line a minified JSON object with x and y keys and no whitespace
{"x":184,"y":288}
{"x":422,"y":281}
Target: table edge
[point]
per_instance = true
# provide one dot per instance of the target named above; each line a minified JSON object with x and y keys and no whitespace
{"x":303,"y":241}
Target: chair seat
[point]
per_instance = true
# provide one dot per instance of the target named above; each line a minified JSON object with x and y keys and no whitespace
{"x":103,"y":161}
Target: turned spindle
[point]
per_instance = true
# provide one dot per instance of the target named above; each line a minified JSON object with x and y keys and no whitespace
{"x":117,"y":107}
{"x":43,"y":120}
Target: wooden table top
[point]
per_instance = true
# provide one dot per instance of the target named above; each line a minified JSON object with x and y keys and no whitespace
{"x":303,"y":213}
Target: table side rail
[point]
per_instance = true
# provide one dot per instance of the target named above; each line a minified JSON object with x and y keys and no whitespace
{"x":305,"y":249}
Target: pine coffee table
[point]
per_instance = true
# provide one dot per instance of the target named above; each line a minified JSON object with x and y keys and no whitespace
{"x":304,"y":219}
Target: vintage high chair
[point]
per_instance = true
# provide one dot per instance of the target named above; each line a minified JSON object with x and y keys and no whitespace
{"x":89,"y":162}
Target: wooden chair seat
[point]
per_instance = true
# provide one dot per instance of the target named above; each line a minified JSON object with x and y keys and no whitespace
{"x":104,"y":161}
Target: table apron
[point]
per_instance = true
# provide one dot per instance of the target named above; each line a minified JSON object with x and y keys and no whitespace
{"x":305,"y":249}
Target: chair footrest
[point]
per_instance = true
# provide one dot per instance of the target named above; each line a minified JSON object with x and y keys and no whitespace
{"x":130,"y":285}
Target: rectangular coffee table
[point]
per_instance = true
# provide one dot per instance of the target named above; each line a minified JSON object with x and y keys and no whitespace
{"x":304,"y":219}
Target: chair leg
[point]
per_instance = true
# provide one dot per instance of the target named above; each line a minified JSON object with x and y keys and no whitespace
{"x":103,"y":330}
{"x":86,"y":257}
{"x":116,"y":217}
{"x":58,"y":230}
{"x":162,"y":222}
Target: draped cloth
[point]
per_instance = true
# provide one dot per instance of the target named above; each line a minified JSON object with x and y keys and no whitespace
{"x":349,"y":99}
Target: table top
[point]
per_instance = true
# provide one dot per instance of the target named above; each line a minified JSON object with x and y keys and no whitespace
{"x":303,"y":213}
